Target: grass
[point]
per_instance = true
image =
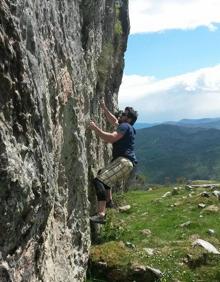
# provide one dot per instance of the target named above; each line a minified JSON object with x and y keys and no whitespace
{"x":170,"y":242}
{"x":205,"y":182}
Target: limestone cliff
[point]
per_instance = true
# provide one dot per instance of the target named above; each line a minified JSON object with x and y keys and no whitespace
{"x":57,"y":58}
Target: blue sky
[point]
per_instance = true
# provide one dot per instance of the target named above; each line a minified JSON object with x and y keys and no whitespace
{"x":173,"y":52}
{"x":172,"y":63}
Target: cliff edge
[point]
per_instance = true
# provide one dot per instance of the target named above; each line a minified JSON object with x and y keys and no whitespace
{"x":58,"y":58}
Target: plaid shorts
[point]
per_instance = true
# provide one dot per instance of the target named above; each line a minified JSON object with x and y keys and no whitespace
{"x":117,"y":170}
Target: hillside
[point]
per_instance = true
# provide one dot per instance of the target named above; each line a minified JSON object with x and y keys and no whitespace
{"x":203,"y":123}
{"x":140,"y":125}
{"x":167,"y":153}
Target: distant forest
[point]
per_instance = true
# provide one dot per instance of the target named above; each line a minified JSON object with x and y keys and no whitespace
{"x":171,"y":153}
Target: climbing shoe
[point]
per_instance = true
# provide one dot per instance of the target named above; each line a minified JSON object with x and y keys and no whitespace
{"x":97,"y":218}
{"x":110,"y":205}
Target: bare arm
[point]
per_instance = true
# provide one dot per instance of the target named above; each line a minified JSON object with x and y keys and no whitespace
{"x":110,"y":117}
{"x":106,"y":136}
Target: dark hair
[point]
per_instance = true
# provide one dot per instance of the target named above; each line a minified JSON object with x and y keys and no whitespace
{"x":132,"y":114}
{"x":118,"y":114}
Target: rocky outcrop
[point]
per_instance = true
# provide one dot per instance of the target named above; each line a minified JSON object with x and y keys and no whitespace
{"x":57,"y":59}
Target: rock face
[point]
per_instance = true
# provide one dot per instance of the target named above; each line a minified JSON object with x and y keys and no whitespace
{"x":57,"y":58}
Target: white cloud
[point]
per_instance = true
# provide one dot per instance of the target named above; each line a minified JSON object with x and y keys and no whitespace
{"x":160,"y":15}
{"x":192,"y":95}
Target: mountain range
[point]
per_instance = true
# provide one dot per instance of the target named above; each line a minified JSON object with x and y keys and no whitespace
{"x":204,"y":123}
{"x":168,"y":153}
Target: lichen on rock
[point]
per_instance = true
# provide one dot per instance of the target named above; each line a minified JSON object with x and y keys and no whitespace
{"x":50,"y":85}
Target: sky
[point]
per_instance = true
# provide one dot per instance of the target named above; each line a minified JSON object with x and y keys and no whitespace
{"x":172,"y":62}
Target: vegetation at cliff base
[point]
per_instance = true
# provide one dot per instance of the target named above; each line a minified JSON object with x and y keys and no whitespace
{"x":159,"y":231}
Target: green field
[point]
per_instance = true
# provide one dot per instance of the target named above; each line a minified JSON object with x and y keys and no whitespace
{"x":155,"y":222}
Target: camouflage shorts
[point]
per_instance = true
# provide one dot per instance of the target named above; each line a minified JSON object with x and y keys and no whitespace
{"x":116,"y":171}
